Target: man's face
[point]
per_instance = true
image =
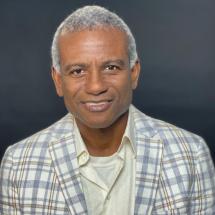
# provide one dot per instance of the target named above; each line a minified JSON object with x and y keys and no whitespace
{"x":95,"y":78}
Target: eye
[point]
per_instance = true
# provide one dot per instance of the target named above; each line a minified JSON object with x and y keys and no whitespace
{"x":112,"y":67}
{"x":76,"y":72}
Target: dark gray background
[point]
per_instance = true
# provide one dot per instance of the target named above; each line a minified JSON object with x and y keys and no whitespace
{"x":175,"y":41}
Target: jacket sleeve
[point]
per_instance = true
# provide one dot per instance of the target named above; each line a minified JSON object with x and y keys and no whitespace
{"x":203,"y":188}
{"x":9,"y":202}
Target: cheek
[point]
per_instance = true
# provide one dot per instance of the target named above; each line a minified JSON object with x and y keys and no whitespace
{"x":123,"y":86}
{"x":71,"y":90}
{"x":126,"y":84}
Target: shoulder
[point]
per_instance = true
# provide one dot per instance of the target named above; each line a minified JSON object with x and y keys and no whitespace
{"x":37,"y":144}
{"x":176,"y":141}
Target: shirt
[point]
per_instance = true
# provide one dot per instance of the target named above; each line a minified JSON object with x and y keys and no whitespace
{"x":109,"y":182}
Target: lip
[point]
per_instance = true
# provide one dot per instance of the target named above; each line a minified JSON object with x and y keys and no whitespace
{"x":97,"y":106}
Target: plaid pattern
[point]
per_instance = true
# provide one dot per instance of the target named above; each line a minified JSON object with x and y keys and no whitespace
{"x":174,"y":172}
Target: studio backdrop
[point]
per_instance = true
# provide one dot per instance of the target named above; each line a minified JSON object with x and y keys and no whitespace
{"x":176,"y":46}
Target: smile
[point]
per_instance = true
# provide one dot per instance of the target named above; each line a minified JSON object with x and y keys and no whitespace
{"x":97,"y":106}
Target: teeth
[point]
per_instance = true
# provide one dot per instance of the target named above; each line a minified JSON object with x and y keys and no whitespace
{"x":97,"y":106}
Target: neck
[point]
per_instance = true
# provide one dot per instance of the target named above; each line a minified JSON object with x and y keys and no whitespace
{"x":104,"y":141}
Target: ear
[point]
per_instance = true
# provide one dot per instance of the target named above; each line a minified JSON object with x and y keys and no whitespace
{"x":135,"y":72}
{"x":57,"y":78}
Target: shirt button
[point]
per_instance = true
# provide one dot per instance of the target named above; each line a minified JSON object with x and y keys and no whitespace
{"x":83,"y":158}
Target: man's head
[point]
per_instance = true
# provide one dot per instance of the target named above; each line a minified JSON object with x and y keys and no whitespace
{"x":96,"y":73}
{"x":92,"y":17}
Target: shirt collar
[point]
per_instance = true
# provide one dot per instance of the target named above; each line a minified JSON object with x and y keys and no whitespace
{"x":81,"y":149}
{"x":129,"y":133}
{"x":128,"y":137}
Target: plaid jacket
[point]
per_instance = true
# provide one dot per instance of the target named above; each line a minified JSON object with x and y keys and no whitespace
{"x":174,"y":172}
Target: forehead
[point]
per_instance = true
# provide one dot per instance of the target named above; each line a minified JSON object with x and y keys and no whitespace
{"x":98,"y":43}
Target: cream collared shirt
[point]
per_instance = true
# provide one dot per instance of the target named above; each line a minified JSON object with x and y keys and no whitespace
{"x":109,"y":182}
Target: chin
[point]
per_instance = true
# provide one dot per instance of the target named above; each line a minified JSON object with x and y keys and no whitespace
{"x":98,"y":124}
{"x":99,"y":120}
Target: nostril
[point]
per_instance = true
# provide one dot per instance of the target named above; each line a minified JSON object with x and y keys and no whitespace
{"x":96,"y":86}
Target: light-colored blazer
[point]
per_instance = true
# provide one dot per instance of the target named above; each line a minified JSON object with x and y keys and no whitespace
{"x":174,"y":172}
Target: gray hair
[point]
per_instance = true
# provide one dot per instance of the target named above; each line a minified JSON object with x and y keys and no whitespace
{"x":92,"y":17}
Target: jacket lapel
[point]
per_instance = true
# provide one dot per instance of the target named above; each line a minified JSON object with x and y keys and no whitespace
{"x":64,"y":159}
{"x":148,"y":163}
{"x":149,"y":154}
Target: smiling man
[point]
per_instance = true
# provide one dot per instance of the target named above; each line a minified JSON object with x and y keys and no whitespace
{"x":105,"y":156}
{"x":96,"y":82}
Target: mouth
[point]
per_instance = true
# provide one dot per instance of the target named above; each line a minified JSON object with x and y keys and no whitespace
{"x":97,"y":106}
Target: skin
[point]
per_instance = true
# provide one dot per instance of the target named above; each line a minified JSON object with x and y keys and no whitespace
{"x":96,"y":83}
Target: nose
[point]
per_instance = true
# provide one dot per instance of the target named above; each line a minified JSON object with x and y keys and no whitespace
{"x":95,"y":83}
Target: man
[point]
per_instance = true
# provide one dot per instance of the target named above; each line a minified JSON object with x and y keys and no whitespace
{"x":104,"y":156}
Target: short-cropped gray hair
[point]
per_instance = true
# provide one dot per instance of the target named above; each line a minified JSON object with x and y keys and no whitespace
{"x":91,"y":17}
